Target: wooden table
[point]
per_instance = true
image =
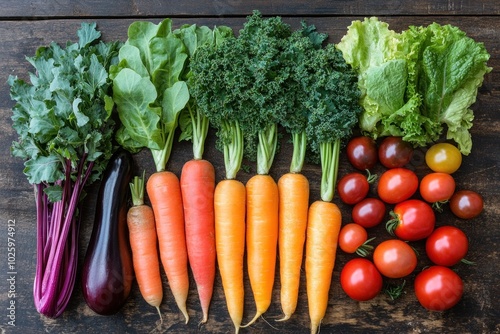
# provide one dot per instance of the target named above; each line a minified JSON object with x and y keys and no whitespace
{"x":25,"y":25}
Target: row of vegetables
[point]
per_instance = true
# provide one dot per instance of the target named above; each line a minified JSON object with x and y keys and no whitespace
{"x":91,"y":105}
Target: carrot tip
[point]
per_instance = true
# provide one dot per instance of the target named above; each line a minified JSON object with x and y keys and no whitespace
{"x":314,"y":327}
{"x":204,"y":320}
{"x":285,"y":317}
{"x":257,"y":315}
{"x":159,"y":313}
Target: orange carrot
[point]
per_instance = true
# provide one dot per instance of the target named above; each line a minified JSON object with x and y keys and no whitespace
{"x":262,"y":239}
{"x":198,"y":185}
{"x":143,"y":242}
{"x":229,"y":200}
{"x":323,"y":229}
{"x":293,"y":207}
{"x":164,"y":192}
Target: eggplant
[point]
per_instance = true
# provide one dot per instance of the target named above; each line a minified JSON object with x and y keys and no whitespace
{"x":108,"y":272}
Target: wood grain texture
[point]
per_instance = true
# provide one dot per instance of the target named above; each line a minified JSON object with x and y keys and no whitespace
{"x":477,"y":312}
{"x":196,"y":8}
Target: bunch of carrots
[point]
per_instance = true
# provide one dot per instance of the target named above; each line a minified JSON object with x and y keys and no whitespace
{"x":198,"y":223}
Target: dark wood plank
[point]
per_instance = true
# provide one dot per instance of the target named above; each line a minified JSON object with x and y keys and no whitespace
{"x":89,"y":8}
{"x":477,"y":312}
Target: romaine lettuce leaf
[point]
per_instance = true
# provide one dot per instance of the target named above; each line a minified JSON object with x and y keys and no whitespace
{"x":452,"y":70}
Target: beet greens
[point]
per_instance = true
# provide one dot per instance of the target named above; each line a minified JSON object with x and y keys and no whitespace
{"x":63,"y":120}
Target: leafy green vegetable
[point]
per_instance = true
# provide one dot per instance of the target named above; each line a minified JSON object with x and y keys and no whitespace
{"x":193,"y":123}
{"x":148,"y":89}
{"x":239,"y":84}
{"x":416,"y":84}
{"x":271,"y":75}
{"x":63,"y":120}
{"x":302,"y":45}
{"x":334,"y":110}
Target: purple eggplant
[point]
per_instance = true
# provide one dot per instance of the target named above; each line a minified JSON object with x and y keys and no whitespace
{"x":107,"y":270}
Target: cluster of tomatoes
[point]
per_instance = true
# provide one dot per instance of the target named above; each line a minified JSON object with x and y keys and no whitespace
{"x":412,"y":218}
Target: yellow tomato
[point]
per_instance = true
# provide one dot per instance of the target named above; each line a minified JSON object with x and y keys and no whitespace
{"x":444,"y":158}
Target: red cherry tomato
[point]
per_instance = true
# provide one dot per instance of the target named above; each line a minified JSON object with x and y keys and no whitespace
{"x":438,"y":288}
{"x":396,"y":185}
{"x":353,"y":238}
{"x":353,"y":187}
{"x":394,"y":258}
{"x":369,"y":212}
{"x":360,"y":279}
{"x":413,"y":220}
{"x":362,"y":152}
{"x":466,"y":204}
{"x":394,"y":152}
{"x":437,"y":187}
{"x":447,"y":246}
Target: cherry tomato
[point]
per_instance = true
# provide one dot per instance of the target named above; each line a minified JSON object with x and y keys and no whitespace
{"x":360,"y":279}
{"x":437,"y":187}
{"x":396,"y":185}
{"x":394,"y":152}
{"x":353,"y":187}
{"x":353,"y":238}
{"x":362,"y":152}
{"x":438,"y":288}
{"x":466,"y":204}
{"x":444,"y":158}
{"x":413,"y":220}
{"x":394,"y":258}
{"x":447,"y":246}
{"x":369,"y":212}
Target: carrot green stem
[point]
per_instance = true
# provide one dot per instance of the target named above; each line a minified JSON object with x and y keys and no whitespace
{"x":161,"y":156}
{"x":268,"y":140}
{"x":233,"y":147}
{"x":329,"y":154}
{"x":200,"y":129}
{"x":137,"y":189}
{"x":299,"y":140}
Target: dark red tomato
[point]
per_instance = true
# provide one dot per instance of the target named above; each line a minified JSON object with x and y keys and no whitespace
{"x":447,"y":246}
{"x":353,"y":238}
{"x":394,"y":258}
{"x":369,"y":212}
{"x":353,"y":187}
{"x":394,"y":152}
{"x":437,"y":187}
{"x":413,"y":220}
{"x":438,"y":288}
{"x":362,"y":152}
{"x":466,"y":204}
{"x":396,"y":185}
{"x":360,"y":279}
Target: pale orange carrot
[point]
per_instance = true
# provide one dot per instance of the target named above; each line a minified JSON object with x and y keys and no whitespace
{"x":230,"y":211}
{"x":164,"y":192}
{"x":198,"y":185}
{"x":293,"y":207}
{"x":323,"y":227}
{"x":261,"y":239}
{"x":143,"y":242}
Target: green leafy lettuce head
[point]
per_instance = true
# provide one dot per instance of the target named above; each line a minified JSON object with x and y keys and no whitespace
{"x":417,"y":84}
{"x":450,"y":69}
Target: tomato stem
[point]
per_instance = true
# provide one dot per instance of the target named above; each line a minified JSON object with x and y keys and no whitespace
{"x":467,"y":262}
{"x":371,"y":178}
{"x":394,"y":290}
{"x":365,"y":249}
{"x":392,"y":223}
